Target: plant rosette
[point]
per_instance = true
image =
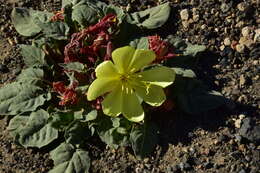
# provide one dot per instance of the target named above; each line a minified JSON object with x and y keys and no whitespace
{"x":91,"y":71}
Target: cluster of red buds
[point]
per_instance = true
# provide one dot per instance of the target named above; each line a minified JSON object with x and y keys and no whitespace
{"x":161,"y":48}
{"x":68,"y":95}
{"x":88,"y":42}
{"x":58,"y":16}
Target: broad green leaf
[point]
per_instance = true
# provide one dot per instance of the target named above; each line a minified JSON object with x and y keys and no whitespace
{"x":37,"y":132}
{"x":141,"y":43}
{"x":184,"y":72}
{"x":90,"y":116}
{"x":16,"y":98}
{"x":31,"y":76}
{"x":143,"y":139}
{"x":56,"y":30}
{"x":108,"y":9}
{"x":66,"y":2}
{"x":193,"y":50}
{"x":33,"y":56}
{"x":60,"y":120}
{"x":193,"y":97}
{"x":77,"y":132}
{"x":109,"y":134}
{"x":24,"y":20}
{"x":151,"y":18}
{"x":16,"y":124}
{"x":187,"y":53}
{"x":67,"y":159}
{"x":84,"y":15}
{"x":74,"y":66}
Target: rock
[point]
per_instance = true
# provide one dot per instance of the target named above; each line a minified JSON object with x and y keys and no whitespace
{"x":242,"y":171}
{"x":257,"y":35}
{"x":185,"y":24}
{"x":242,"y":6}
{"x":227,"y":42}
{"x":204,"y":26}
{"x":240,"y":48}
{"x":238,"y":138}
{"x":208,"y":165}
{"x":242,"y":80}
{"x":246,"y":31}
{"x":250,"y":130}
{"x":196,"y":18}
{"x":249,"y":43}
{"x":224,"y":7}
{"x":184,"y":14}
{"x":3,"y":68}
{"x":222,"y":47}
{"x":184,"y":166}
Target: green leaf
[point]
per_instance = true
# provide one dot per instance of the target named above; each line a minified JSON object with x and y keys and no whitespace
{"x":77,"y":132}
{"x":188,"y":53}
{"x":193,"y":97}
{"x":184,"y":48}
{"x":16,"y":98}
{"x":90,"y":116}
{"x":184,"y":72}
{"x":141,"y":43}
{"x":33,"y":56}
{"x":37,"y":132}
{"x":31,"y":76}
{"x":193,"y":50}
{"x":16,"y":124}
{"x":60,"y":120}
{"x":24,"y":20}
{"x":143,"y":139}
{"x":109,"y":134}
{"x":74,"y":66}
{"x":151,"y":18}
{"x":66,"y":2}
{"x":67,"y":159}
{"x":56,"y":30}
{"x":84,"y":15}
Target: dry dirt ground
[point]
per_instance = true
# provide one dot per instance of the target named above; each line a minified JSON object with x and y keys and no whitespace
{"x":221,"y":141}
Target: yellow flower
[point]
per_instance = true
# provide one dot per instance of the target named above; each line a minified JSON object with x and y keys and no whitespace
{"x":127,"y":86}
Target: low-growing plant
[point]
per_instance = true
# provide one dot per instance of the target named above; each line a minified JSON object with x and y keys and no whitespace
{"x":91,"y":71}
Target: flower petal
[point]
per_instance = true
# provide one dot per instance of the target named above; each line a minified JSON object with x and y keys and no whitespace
{"x":123,"y":101}
{"x":122,"y":57}
{"x":112,"y":104}
{"x":106,"y":70}
{"x":161,"y":76}
{"x":140,"y":59}
{"x":101,"y":86}
{"x":151,"y":94}
{"x":131,"y":107}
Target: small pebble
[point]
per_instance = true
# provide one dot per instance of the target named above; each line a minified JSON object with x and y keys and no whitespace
{"x":227,"y":42}
{"x":246,"y":31}
{"x":257,"y":35}
{"x":240,"y":48}
{"x":224,"y":7}
{"x":184,"y":14}
{"x":242,"y":6}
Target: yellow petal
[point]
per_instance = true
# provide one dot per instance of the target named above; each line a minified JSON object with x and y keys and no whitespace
{"x":161,"y":76}
{"x":151,"y":94}
{"x":100,"y":86}
{"x":106,"y":70}
{"x":112,"y":104}
{"x":140,"y":59}
{"x":132,"y":108}
{"x":123,"y":100}
{"x":122,"y":57}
